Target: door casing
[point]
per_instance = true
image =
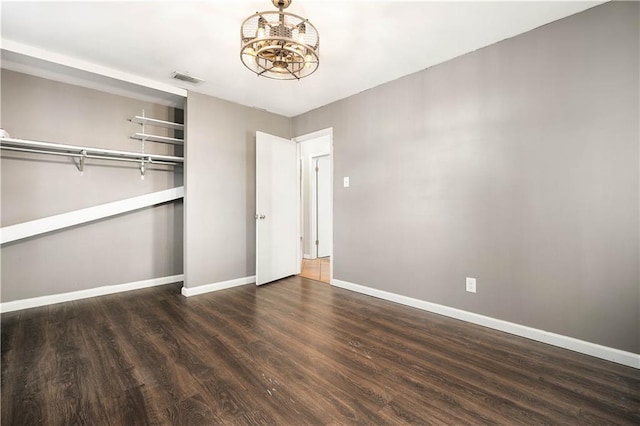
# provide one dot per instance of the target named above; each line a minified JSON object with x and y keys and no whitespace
{"x":307,"y":137}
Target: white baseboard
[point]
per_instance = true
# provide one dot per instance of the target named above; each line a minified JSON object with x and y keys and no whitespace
{"x":604,"y":352}
{"x":307,"y":256}
{"x":201,"y":289}
{"x":16,"y":305}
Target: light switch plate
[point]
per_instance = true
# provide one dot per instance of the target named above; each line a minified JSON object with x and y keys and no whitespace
{"x":345,"y":181}
{"x":471,"y":285}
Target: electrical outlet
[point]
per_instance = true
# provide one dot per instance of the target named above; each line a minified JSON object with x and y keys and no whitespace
{"x":471,"y":285}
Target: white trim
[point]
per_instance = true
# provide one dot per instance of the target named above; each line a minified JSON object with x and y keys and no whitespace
{"x":16,"y":305}
{"x":610,"y":354}
{"x":314,"y":200}
{"x":315,"y":135}
{"x":299,"y":232}
{"x":89,"y":214}
{"x":207,"y":288}
{"x":45,"y":55}
{"x":307,"y":256}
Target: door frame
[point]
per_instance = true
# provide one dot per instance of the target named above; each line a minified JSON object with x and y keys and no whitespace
{"x":314,"y":202}
{"x":315,"y":135}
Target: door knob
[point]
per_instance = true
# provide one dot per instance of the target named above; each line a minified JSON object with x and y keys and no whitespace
{"x":262,"y":216}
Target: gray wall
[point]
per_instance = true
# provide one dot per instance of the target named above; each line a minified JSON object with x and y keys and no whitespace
{"x":136,"y":246}
{"x":516,"y":164}
{"x":220,"y":184}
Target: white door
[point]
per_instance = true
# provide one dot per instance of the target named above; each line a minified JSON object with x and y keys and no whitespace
{"x":277,"y":208}
{"x":323,"y":206}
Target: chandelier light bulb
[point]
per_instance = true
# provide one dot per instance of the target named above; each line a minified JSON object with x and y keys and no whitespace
{"x":262,"y":24}
{"x":249,"y":51}
{"x":302,"y":32}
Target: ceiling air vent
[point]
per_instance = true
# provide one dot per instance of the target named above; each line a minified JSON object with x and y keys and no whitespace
{"x":186,"y":77}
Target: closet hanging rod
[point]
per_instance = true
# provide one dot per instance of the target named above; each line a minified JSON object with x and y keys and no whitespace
{"x":96,"y":157}
{"x":81,"y":151}
{"x":132,"y":160}
{"x":37,"y":151}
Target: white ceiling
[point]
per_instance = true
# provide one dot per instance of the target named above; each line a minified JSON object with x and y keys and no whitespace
{"x":362,"y":43}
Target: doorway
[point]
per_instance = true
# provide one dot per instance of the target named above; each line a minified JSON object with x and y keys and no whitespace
{"x":317,"y":269}
{"x":316,"y":210}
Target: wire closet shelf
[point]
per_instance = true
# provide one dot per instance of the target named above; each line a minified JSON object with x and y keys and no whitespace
{"x":83,"y":152}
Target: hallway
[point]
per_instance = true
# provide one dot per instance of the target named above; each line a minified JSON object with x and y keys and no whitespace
{"x":317,"y":269}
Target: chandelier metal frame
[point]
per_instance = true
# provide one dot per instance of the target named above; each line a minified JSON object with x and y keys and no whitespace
{"x":279,"y":44}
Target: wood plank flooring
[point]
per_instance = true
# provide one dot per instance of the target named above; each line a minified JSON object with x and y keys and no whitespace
{"x":316,"y":269}
{"x":290,"y":353}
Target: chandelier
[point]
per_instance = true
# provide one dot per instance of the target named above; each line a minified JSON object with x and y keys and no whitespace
{"x":279,"y":45}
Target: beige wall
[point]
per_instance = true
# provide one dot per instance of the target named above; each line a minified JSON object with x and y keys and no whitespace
{"x":220,"y":184}
{"x":516,"y":164}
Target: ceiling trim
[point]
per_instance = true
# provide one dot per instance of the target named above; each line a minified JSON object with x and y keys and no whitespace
{"x":32,"y":60}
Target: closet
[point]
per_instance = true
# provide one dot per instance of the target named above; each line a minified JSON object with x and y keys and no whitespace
{"x":91,"y":173}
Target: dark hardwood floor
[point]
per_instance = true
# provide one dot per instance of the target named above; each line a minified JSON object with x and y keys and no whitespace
{"x":290,"y":353}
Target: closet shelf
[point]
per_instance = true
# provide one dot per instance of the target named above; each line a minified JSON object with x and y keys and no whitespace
{"x":156,"y":138}
{"x":157,"y":123}
{"x":38,"y":147}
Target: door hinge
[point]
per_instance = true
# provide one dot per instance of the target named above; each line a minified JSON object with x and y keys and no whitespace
{"x":317,"y":242}
{"x":317,"y":169}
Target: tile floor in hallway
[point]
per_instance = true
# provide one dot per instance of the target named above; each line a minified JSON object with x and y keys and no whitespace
{"x":317,"y":269}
